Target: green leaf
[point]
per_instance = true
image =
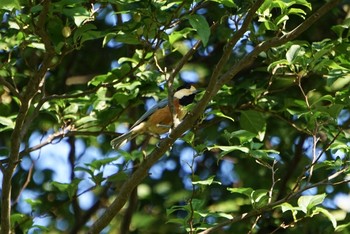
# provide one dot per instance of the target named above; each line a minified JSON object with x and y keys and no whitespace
{"x":99,"y":79}
{"x":341,"y":228}
{"x":85,"y":120}
{"x":259,"y":198}
{"x":177,"y":35}
{"x":220,"y":114}
{"x":340,"y":29}
{"x":228,"y":149}
{"x":176,"y":221}
{"x":200,"y":24}
{"x":97,"y":178}
{"x":80,"y":14}
{"x":7,"y":122}
{"x":121,"y":71}
{"x":85,"y":33}
{"x":297,"y":11}
{"x":293,"y":53}
{"x":60,"y":186}
{"x":254,"y":122}
{"x":282,"y":19}
{"x":21,"y":222}
{"x":122,"y":98}
{"x":332,"y":110}
{"x":107,"y":38}
{"x":270,"y":25}
{"x":208,"y":181}
{"x":18,"y":218}
{"x":79,"y":32}
{"x":132,"y":86}
{"x":119,"y":176}
{"x":244,"y":191}
{"x":337,"y":81}
{"x":33,"y":202}
{"x":244,"y":136}
{"x":288,"y":207}
{"x":10,"y":5}
{"x":262,"y":154}
{"x":325,"y":212}
{"x":306,"y":203}
{"x":127,"y":38}
{"x":69,"y":188}
{"x":71,"y":109}
{"x":89,"y":171}
{"x":97,"y":164}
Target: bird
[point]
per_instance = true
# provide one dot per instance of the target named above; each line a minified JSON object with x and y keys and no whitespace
{"x":159,"y":119}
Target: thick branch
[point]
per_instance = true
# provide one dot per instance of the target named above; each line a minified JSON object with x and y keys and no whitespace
{"x":142,"y":171}
{"x":188,"y":122}
{"x":21,"y":127}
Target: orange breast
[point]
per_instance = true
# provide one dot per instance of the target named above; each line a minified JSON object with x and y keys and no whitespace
{"x":161,"y":120}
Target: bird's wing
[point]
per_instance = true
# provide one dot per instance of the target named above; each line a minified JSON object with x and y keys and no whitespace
{"x":151,"y":110}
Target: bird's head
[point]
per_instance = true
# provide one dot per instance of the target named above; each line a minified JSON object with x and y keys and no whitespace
{"x":185,"y":94}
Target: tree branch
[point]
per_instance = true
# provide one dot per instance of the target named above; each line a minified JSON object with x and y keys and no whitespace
{"x":10,"y":87}
{"x":271,"y":206}
{"x":21,"y":125}
{"x":277,"y":41}
{"x":291,"y":166}
{"x":142,"y":171}
{"x":125,"y":225}
{"x":233,"y":41}
{"x":213,"y":88}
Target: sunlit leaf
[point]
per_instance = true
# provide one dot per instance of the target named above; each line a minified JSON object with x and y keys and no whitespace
{"x":208,"y":181}
{"x":177,"y":35}
{"x":229,"y":149}
{"x":10,"y":4}
{"x":288,"y":207}
{"x":97,"y":164}
{"x":245,"y":191}
{"x":292,"y":53}
{"x":259,"y":198}
{"x":306,"y":203}
{"x":243,"y":135}
{"x":326,"y":213}
{"x":7,"y":122}
{"x":220,"y":114}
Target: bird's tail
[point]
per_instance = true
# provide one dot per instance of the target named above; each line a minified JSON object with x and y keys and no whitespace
{"x":122,"y":139}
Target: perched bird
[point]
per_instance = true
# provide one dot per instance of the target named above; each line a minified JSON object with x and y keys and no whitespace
{"x":158,"y":119}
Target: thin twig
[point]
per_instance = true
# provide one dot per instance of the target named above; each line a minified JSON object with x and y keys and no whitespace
{"x":274,"y":181}
{"x":213,"y":88}
{"x":271,"y":206}
{"x":254,"y":224}
{"x":315,"y":140}
{"x":326,"y":148}
{"x":26,"y":183}
{"x":21,"y":125}
{"x":11,"y":88}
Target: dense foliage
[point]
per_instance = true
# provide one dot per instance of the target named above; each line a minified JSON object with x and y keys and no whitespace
{"x":264,"y":149}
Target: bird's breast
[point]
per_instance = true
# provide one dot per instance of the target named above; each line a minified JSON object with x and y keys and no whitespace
{"x":161,"y":120}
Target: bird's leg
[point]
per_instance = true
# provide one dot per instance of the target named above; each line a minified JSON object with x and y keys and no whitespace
{"x":163,"y":126}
